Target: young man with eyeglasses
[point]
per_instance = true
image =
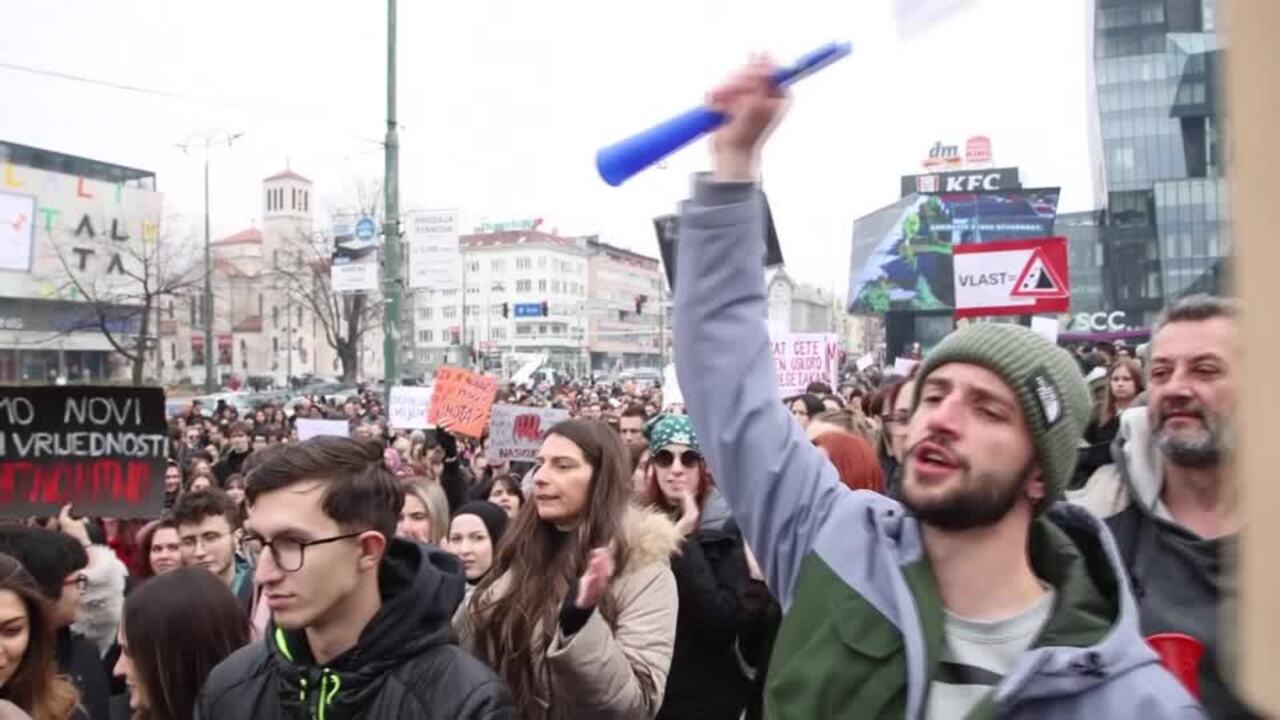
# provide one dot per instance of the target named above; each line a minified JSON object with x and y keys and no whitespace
{"x":59,"y":562}
{"x":207,"y":522}
{"x":360,"y":620}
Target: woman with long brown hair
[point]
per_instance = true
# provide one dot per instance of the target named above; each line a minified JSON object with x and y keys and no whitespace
{"x":578,"y":614}
{"x":1124,"y":385}
{"x":27,"y":677}
{"x":176,"y":628}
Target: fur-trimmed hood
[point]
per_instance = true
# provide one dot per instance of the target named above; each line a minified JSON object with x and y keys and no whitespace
{"x":102,"y":604}
{"x":651,"y":536}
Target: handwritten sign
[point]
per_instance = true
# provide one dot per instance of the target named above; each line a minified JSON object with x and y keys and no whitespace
{"x":409,"y":407}
{"x":310,"y":427}
{"x":515,"y":431}
{"x":102,"y":449}
{"x":803,"y":358}
{"x":865,"y":362}
{"x":463,"y":399}
{"x":902,"y":366}
{"x":671,"y":394}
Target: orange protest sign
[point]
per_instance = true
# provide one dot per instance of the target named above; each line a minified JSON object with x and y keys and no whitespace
{"x":462,"y":399}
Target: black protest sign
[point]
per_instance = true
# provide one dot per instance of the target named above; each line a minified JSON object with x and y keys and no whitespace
{"x":102,"y":449}
{"x":667,"y":228}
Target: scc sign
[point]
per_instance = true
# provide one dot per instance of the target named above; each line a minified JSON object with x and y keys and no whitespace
{"x":1099,"y":322}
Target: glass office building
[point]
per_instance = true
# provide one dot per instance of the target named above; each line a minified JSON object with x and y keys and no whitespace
{"x":1165,"y":232}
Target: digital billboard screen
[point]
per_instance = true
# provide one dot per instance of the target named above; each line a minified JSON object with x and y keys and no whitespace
{"x":901,"y":256}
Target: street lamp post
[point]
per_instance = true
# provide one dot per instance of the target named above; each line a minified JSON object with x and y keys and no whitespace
{"x":210,"y":382}
{"x":391,"y":223}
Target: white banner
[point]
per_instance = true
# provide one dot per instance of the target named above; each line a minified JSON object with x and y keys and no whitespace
{"x":435,"y":260}
{"x":409,"y":407}
{"x":309,"y":428}
{"x":515,"y":431}
{"x":671,"y":393}
{"x":360,"y":276}
{"x":802,"y":358}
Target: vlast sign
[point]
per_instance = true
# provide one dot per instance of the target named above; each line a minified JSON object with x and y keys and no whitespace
{"x":962,"y":182}
{"x":1020,"y":277}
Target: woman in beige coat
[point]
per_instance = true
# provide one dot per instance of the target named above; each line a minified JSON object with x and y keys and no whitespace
{"x":578,"y":615}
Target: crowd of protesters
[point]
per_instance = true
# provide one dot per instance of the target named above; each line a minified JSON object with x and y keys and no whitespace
{"x":895,"y":546}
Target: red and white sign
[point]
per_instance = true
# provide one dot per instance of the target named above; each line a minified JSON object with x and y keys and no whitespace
{"x":977,"y":150}
{"x":802,"y":358}
{"x":1019,"y":277}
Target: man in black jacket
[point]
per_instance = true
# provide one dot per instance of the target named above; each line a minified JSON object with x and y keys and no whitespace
{"x":360,"y":621}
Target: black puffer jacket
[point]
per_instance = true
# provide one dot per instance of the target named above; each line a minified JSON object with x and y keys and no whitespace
{"x":706,"y":681}
{"x":405,"y":665}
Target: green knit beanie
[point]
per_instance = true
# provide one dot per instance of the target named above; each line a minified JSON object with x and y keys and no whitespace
{"x":1053,"y":395}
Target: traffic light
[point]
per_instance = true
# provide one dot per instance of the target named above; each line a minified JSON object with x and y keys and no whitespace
{"x":545,"y":312}
{"x":506,"y":310}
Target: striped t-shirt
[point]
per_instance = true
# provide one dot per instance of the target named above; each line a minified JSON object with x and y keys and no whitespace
{"x":977,"y":654}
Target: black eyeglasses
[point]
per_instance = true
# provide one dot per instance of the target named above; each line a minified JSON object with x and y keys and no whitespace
{"x":289,"y":553}
{"x":666,"y":458}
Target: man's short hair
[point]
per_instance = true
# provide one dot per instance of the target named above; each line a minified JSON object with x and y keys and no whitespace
{"x":360,"y":492}
{"x":193,"y":507}
{"x":635,"y":410}
{"x":1196,"y":308}
{"x":49,"y":556}
{"x":817,"y":387}
{"x":239,"y":428}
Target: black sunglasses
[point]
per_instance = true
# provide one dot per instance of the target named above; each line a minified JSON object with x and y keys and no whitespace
{"x":688,"y":458}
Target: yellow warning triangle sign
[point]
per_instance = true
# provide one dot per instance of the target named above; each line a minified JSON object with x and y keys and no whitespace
{"x":1039,"y":280}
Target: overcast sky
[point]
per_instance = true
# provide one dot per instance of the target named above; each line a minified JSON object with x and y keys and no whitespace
{"x":504,"y":102}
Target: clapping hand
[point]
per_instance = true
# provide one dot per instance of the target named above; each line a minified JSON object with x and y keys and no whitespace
{"x":595,"y":581}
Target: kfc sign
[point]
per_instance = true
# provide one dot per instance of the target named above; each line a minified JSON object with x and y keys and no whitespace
{"x":962,"y":182}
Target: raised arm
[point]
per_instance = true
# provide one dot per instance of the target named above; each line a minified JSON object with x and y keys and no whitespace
{"x":780,"y":488}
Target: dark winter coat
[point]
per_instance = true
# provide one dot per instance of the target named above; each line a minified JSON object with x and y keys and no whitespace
{"x":78,"y":659}
{"x":406,"y":663}
{"x":706,"y":679}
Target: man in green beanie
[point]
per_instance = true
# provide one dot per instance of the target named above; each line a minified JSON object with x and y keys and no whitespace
{"x":979,"y":595}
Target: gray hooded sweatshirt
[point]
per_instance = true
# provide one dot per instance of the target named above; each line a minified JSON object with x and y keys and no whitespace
{"x":861,"y":631}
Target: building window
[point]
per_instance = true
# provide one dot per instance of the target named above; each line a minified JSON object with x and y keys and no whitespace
{"x":268,"y":200}
{"x":173,"y":351}
{"x":449,"y":313}
{"x":473,"y":311}
{"x":261,"y":306}
{"x":524,"y":263}
{"x":193,"y":311}
{"x":170,"y":309}
{"x":425,"y":336}
{"x":555,"y":286}
{"x":497,"y":265}
{"x":299,"y":315}
{"x":524,"y":285}
{"x":497,"y":333}
{"x":275,"y":345}
{"x":542,"y":286}
{"x":473,"y":266}
{"x":275,"y":317}
{"x":424,"y":313}
{"x":542,"y":263}
{"x":524,"y":329}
